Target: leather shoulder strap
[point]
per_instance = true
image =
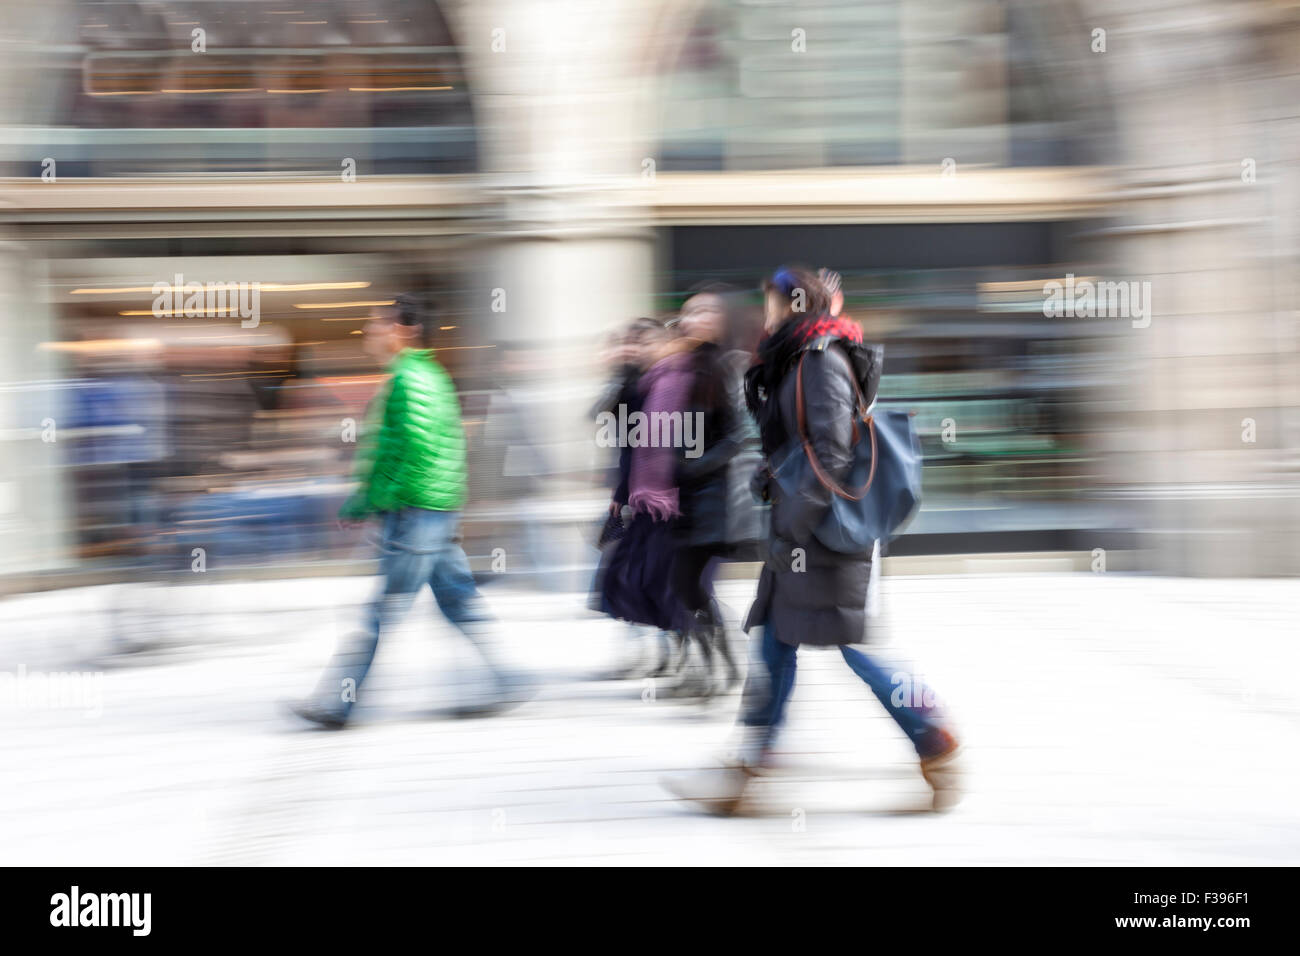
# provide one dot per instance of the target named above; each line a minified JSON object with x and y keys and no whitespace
{"x":801,"y":416}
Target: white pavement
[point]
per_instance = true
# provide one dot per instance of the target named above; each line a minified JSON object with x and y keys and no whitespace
{"x":1110,"y":720}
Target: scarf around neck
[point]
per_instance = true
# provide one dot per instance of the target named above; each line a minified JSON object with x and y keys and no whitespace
{"x":776,"y":354}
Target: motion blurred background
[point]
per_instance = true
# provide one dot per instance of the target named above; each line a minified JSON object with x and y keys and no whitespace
{"x":546,"y":171}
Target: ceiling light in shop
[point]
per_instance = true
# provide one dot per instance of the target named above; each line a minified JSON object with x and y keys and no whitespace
{"x":264,"y":286}
{"x":102,"y":345}
{"x":172,"y":313}
{"x":344,"y":305}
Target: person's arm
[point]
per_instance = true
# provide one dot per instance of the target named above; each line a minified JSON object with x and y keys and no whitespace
{"x":653,"y":481}
{"x":357,"y":506}
{"x":724,"y":448}
{"x":613,"y":393}
{"x":867,"y":365}
{"x":830,"y":403}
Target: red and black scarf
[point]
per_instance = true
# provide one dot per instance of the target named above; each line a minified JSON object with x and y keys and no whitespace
{"x":777,"y":353}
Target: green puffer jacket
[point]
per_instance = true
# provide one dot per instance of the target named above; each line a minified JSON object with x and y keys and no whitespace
{"x":413,"y":449}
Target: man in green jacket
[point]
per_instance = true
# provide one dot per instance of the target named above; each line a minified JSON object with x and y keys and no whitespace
{"x":410,"y":470}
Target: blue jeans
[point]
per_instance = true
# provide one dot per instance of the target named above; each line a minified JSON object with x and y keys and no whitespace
{"x":419,"y":547}
{"x":911,"y":704}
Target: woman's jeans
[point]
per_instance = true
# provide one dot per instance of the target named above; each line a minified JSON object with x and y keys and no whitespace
{"x":419,"y":547}
{"x":911,"y":704}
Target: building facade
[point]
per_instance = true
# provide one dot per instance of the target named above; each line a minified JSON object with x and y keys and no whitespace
{"x":551,"y":169}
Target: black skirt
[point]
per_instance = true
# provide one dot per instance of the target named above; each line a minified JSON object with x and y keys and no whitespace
{"x":635,"y":581}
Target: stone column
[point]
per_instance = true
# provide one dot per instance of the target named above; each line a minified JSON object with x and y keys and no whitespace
{"x":35,"y":508}
{"x":1209,"y":161}
{"x":571,"y":256}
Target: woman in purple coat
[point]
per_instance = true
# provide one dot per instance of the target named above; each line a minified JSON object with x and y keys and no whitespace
{"x":637,"y":584}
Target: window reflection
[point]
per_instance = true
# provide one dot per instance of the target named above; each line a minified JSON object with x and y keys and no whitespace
{"x":383,"y":77}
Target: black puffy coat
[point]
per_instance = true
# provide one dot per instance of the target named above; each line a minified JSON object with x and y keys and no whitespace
{"x":807,"y":592}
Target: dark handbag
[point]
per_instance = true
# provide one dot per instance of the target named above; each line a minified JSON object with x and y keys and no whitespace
{"x":612,"y":530}
{"x":886,"y":472}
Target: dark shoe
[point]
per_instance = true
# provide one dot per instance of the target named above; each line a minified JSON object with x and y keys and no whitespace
{"x":314,"y":713}
{"x":667,"y":664}
{"x":489,"y":708}
{"x":663,"y":670}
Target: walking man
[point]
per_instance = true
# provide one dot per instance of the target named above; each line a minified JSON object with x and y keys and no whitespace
{"x":411,"y":473}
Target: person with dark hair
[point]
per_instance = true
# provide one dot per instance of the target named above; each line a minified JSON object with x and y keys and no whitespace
{"x":717,"y":514}
{"x":802,"y":292}
{"x":813,"y":371}
{"x":411,"y":477}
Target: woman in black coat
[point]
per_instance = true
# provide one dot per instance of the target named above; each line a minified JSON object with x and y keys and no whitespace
{"x":808,"y":593}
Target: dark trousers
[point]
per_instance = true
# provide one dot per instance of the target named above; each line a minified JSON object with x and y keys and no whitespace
{"x":693,"y":576}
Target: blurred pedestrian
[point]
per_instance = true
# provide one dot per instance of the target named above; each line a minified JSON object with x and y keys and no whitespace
{"x":412,"y":478}
{"x":814,"y":363}
{"x":628,"y":352}
{"x":637,"y":584}
{"x":717,"y":512}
